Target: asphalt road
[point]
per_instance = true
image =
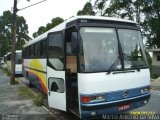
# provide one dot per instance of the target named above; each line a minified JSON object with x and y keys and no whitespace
{"x":153,"y":104}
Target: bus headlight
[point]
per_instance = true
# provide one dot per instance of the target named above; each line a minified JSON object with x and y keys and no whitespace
{"x":145,"y":90}
{"x":94,"y":98}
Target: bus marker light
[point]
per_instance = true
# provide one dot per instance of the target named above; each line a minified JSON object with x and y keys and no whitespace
{"x":85,"y":99}
{"x":145,"y":90}
{"x":145,"y":101}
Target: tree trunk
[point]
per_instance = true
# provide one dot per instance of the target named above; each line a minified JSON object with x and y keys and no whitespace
{"x":12,"y":80}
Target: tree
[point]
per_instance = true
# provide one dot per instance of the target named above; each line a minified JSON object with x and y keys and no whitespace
{"x":54,"y":22}
{"x":145,"y":12}
{"x":151,"y":24}
{"x":87,"y":10}
{"x":41,"y":30}
{"x":100,"y":6}
{"x":5,"y":32}
{"x":22,"y":32}
{"x":121,"y":9}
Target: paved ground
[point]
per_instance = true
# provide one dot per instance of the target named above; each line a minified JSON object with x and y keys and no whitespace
{"x":155,"y":84}
{"x":17,"y":107}
{"x":153,"y":105}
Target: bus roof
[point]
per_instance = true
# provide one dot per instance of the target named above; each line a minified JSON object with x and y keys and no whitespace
{"x":17,"y":51}
{"x":62,"y":26}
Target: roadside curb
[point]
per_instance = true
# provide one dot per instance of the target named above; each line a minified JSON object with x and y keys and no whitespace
{"x":47,"y":110}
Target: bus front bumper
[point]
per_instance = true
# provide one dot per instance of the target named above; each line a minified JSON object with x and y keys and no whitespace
{"x":99,"y":110}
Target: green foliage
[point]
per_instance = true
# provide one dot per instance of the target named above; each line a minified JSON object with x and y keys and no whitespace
{"x":149,"y":59}
{"x":26,"y":92}
{"x":151,"y":24}
{"x":5,"y":32}
{"x":54,"y":22}
{"x":16,"y":82}
{"x":154,"y":75}
{"x":87,"y":10}
{"x":38,"y":100}
{"x":145,"y":12}
{"x":7,"y":72}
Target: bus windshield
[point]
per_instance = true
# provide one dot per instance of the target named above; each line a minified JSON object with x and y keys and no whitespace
{"x":100,"y":49}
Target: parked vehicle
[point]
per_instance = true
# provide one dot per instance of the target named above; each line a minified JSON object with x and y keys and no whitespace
{"x":90,"y":66}
{"x":18,"y":62}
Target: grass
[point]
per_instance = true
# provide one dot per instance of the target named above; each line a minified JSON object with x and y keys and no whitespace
{"x":26,"y":92}
{"x":37,"y":98}
{"x":16,"y":82}
{"x":8,"y":73}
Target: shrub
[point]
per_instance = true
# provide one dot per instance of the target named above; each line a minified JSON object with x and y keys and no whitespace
{"x":38,"y":100}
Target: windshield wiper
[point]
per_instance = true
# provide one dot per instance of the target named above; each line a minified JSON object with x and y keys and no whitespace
{"x":125,"y":57}
{"x":129,"y":58}
{"x":113,"y":65}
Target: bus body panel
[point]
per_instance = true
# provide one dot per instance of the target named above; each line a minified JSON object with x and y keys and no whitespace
{"x":35,"y":71}
{"x":1,"y":60}
{"x":18,"y":69}
{"x":103,"y":82}
{"x":113,"y":87}
{"x":37,"y":64}
{"x":56,"y":98}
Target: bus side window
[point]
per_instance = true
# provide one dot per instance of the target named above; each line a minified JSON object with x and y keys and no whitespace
{"x":56,"y":85}
{"x":37,"y":49}
{"x":55,"y":50}
{"x":31,"y":51}
{"x":43,"y":47}
{"x":23,"y":52}
{"x":27,"y":52}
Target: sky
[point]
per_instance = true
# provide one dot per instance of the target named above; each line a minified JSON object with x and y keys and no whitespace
{"x":43,"y":13}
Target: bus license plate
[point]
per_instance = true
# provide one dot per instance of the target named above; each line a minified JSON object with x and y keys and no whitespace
{"x":123,"y":107}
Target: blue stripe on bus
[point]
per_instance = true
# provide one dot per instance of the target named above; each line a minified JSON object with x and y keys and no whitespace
{"x":33,"y":79}
{"x":117,"y":95}
{"x":114,"y":109}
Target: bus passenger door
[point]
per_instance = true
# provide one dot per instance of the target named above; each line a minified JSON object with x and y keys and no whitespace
{"x":56,"y":72}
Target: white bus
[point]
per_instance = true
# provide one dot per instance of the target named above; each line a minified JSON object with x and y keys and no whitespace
{"x":5,"y":61}
{"x":1,"y":61}
{"x":18,"y":62}
{"x":90,"y":66}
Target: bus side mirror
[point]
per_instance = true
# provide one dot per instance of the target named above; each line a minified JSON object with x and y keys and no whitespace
{"x":74,"y":42}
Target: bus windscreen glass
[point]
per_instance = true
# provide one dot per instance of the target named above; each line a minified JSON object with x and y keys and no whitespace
{"x":100,"y":49}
